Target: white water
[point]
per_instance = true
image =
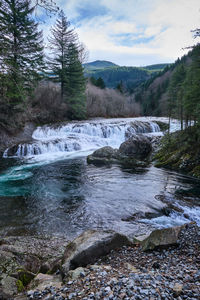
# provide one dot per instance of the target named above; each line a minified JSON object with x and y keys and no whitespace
{"x":79,"y":137}
{"x":51,"y":144}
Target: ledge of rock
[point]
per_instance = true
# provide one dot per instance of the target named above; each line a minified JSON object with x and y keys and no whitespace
{"x":89,"y":246}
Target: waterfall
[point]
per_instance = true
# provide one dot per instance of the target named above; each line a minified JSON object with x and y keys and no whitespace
{"x":81,"y":136}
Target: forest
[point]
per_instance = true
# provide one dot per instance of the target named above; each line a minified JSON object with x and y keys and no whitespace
{"x":54,"y":86}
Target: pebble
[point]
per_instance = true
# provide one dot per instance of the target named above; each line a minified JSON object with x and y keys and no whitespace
{"x":162,"y":274}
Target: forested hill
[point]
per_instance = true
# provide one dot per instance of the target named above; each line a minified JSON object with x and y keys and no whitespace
{"x":170,"y":91}
{"x":98,"y":64}
{"x":113,"y":74}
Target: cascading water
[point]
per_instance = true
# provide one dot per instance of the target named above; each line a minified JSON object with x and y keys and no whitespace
{"x":50,"y":188}
{"x":80,"y":136}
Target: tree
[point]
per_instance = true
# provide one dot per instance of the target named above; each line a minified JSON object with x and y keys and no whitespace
{"x":75,"y":92}
{"x":100,"y":83}
{"x":21,"y":51}
{"x":176,"y":91}
{"x":61,"y":36}
{"x":49,"y":5}
{"x":65,"y":63}
{"x":191,"y":88}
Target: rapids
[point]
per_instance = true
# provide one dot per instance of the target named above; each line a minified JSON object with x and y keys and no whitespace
{"x":46,"y":186}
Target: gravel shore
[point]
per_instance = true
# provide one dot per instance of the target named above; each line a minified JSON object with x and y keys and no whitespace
{"x":129,"y":273}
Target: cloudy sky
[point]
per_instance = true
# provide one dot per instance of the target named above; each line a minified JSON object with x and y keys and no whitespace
{"x":132,"y":32}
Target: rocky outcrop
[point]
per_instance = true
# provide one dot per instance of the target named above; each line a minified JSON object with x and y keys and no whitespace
{"x":8,"y":139}
{"x":132,"y":152}
{"x":89,"y":246}
{"x":161,"y":237}
{"x":21,"y":258}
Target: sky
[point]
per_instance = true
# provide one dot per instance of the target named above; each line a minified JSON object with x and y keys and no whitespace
{"x":131,"y":32}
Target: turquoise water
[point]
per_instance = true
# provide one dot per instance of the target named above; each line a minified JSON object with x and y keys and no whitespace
{"x":67,"y":196}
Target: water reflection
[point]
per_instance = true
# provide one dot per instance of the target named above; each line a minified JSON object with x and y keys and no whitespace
{"x":69,"y":196}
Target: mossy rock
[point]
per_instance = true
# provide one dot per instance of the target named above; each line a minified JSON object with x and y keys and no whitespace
{"x":20,"y":286}
{"x":25,"y":276}
{"x":163,"y":126}
{"x":196,"y":171}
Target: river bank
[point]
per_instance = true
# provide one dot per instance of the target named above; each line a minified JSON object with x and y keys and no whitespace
{"x":172,"y":272}
{"x":180,"y":151}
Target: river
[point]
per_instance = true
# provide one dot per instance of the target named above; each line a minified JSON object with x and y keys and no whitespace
{"x":47,"y":187}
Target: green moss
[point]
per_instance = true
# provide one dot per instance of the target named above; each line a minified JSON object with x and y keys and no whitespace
{"x":163,"y":126}
{"x":180,"y":151}
{"x":20,"y":286}
{"x":196,"y":171}
{"x":25,"y":277}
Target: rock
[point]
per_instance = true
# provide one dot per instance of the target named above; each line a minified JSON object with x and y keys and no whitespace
{"x":74,"y":274}
{"x":21,"y":258}
{"x":161,"y":237}
{"x":89,"y":246}
{"x":103,"y":155}
{"x":9,"y":287}
{"x":131,"y":268}
{"x":177,"y":289}
{"x":43,"y":280}
{"x":138,"y":147}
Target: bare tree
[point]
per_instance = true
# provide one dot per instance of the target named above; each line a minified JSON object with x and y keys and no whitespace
{"x":49,"y":5}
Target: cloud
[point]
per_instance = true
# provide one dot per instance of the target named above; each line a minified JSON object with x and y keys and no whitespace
{"x":134,"y":32}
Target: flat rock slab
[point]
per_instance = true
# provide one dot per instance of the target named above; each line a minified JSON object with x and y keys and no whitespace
{"x":89,"y":246}
{"x":161,"y":237}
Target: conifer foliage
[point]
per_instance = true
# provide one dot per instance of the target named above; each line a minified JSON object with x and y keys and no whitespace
{"x":65,"y":64}
{"x":21,"y":51}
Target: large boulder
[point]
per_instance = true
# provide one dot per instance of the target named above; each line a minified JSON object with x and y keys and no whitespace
{"x":161,"y":237}
{"x":138,"y":147}
{"x":103,"y":155}
{"x":89,"y":246}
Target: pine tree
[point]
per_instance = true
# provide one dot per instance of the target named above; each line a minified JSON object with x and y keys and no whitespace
{"x":61,"y":36}
{"x":191,"y":88}
{"x":65,"y":63}
{"x":100,"y":83}
{"x":76,"y":97}
{"x":21,"y":51}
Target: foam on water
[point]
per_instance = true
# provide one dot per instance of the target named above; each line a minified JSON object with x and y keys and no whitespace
{"x":190,"y":214}
{"x":79,"y":137}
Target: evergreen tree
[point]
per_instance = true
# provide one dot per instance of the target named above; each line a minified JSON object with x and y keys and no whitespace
{"x":100,"y":83}
{"x":67,"y":68}
{"x":76,"y":97}
{"x":191,"y":88}
{"x":21,"y":51}
{"x":176,"y":90}
{"x":61,"y":37}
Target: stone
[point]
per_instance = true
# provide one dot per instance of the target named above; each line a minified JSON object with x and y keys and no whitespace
{"x":177,"y":289}
{"x":89,"y":246}
{"x":78,"y":272}
{"x":103,"y":155}
{"x":161,"y":237}
{"x":9,"y":287}
{"x":138,"y":147}
{"x":43,"y":280}
{"x":21,"y":257}
{"x":131,"y":268}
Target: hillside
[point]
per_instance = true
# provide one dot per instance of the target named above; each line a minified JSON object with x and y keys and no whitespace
{"x":154,"y":94}
{"x":98,"y":64}
{"x":112,"y":74}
